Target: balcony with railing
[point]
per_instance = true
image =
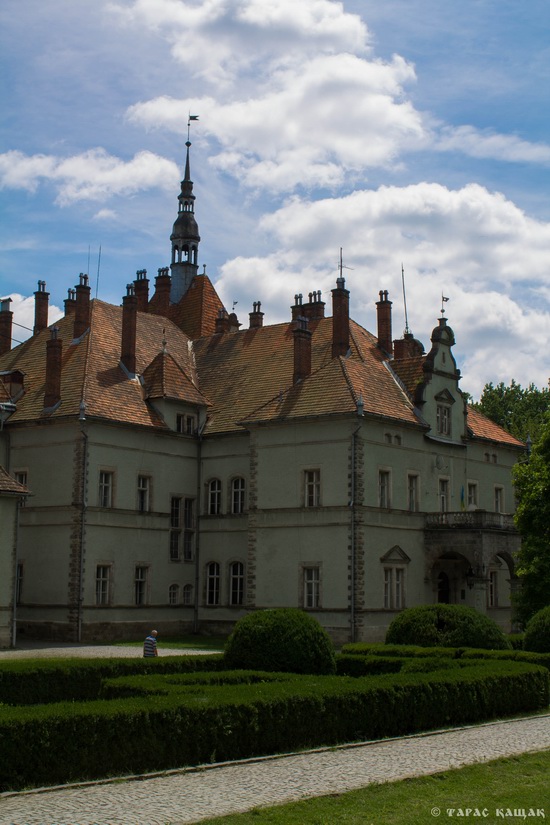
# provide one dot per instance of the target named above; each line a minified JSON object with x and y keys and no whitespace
{"x":470,"y":520}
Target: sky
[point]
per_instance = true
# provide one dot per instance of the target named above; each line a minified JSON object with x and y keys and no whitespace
{"x":410,"y":134}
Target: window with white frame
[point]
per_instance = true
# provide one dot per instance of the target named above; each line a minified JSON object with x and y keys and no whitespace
{"x":312,"y":488}
{"x":212,"y":583}
{"x":412,"y":492}
{"x":443,"y":495}
{"x":238,"y":492}
{"x":102,"y":584}
{"x":188,"y":529}
{"x":22,"y":477}
{"x":186,"y":424}
{"x":394,"y":588}
{"x":312,"y":587}
{"x":174,"y":594}
{"x":187,"y":594}
{"x":214,"y":503}
{"x":443,"y":414}
{"x":236,"y":583}
{"x":106,"y":483}
{"x":472,"y":495}
{"x":499,"y":499}
{"x":384,"y":491}
{"x":141,"y":581}
{"x":144,"y":494}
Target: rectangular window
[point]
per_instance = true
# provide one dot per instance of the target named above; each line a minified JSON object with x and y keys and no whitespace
{"x":236,"y":583}
{"x":213,"y":584}
{"x":144,"y":492}
{"x":311,"y":587}
{"x":394,"y":588}
{"x":384,"y":489}
{"x":214,"y":497}
{"x":140,"y":585}
{"x":312,"y":482}
{"x":472,"y":495}
{"x":443,"y":495}
{"x":443,"y":420}
{"x":22,"y":477}
{"x":105,"y":489}
{"x":412,"y":493}
{"x":189,"y":529}
{"x":237,"y":496}
{"x":185,"y":424}
{"x":102,"y":581}
{"x":499,"y":499}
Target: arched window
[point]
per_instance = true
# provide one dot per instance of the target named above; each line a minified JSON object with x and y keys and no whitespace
{"x":187,"y":594}
{"x":173,"y":594}
{"x":238,"y":492}
{"x":214,"y":504}
{"x":236,"y":583}
{"x":213,"y":583}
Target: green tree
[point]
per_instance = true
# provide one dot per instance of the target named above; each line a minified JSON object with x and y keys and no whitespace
{"x":520,"y":411}
{"x":532,"y":483}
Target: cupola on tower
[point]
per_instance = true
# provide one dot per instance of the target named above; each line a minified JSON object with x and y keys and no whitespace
{"x":184,"y":238}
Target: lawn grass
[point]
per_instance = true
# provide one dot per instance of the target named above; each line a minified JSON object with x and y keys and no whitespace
{"x":191,"y":642}
{"x":487,"y":791}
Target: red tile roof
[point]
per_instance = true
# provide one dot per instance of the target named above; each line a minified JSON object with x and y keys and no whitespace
{"x":197,"y":311}
{"x":482,"y":427}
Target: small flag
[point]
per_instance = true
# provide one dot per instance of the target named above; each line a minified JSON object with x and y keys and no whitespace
{"x":193,"y":117}
{"x":444,"y":299}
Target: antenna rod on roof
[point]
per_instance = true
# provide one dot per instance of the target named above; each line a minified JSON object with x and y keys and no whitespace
{"x":407,"y":330}
{"x":98,"y":265}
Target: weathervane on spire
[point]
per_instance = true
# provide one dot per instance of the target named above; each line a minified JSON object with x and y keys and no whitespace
{"x":189,"y":119}
{"x":407,"y":330}
{"x":341,"y":265}
{"x":443,"y":301}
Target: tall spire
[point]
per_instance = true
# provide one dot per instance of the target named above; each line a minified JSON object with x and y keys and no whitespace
{"x":184,"y":238}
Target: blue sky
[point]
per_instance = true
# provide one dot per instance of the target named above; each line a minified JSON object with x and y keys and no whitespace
{"x":408,"y":131}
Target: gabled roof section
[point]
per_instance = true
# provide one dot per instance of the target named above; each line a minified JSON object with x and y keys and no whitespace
{"x":164,"y":378}
{"x":197,"y":311}
{"x":409,"y":371}
{"x":9,"y":486}
{"x":482,"y":427}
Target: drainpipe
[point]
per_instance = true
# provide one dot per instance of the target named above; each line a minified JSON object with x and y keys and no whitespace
{"x":197,"y":530}
{"x":14,"y":608}
{"x":360,"y":408}
{"x":83,"y":505}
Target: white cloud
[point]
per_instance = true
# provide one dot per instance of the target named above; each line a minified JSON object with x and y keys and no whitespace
{"x":93,"y":175}
{"x":488,"y":144}
{"x":23,"y":316}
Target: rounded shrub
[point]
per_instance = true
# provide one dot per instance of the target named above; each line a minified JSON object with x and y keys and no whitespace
{"x":537,"y":632}
{"x":282,"y":639}
{"x":446,"y":625}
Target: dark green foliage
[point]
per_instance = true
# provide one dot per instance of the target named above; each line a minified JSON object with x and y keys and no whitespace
{"x":361,"y":665}
{"x":445,"y":625}
{"x":520,"y":411}
{"x":516,"y":640}
{"x":537,"y":634}
{"x":194,"y":719}
{"x":285,"y":639}
{"x":532,"y":483}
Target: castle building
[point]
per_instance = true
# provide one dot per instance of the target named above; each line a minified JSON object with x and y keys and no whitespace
{"x":186,"y":468}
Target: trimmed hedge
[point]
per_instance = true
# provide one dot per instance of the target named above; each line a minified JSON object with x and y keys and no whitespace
{"x":447,"y":625}
{"x":182,"y":721}
{"x":537,"y":632}
{"x":38,"y":681}
{"x":284,"y":639}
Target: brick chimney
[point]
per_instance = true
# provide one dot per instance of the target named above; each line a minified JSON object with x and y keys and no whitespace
{"x":256,"y":316}
{"x":70,"y":302}
{"x":302,"y":350}
{"x":82,"y":307}
{"x":340,"y":319}
{"x":223,"y":324}
{"x":383,"y":316}
{"x":163,"y":283}
{"x":314,"y":310}
{"x":6,"y":323}
{"x":297,"y":308}
{"x":54,"y":353}
{"x":141,"y":287}
{"x":129,"y":329}
{"x":407,"y":347}
{"x":40,"y":308}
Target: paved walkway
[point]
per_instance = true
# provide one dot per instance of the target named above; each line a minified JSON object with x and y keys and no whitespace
{"x":191,"y":795}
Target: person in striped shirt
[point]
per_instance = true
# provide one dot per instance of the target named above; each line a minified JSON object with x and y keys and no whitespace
{"x":150,"y":645}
